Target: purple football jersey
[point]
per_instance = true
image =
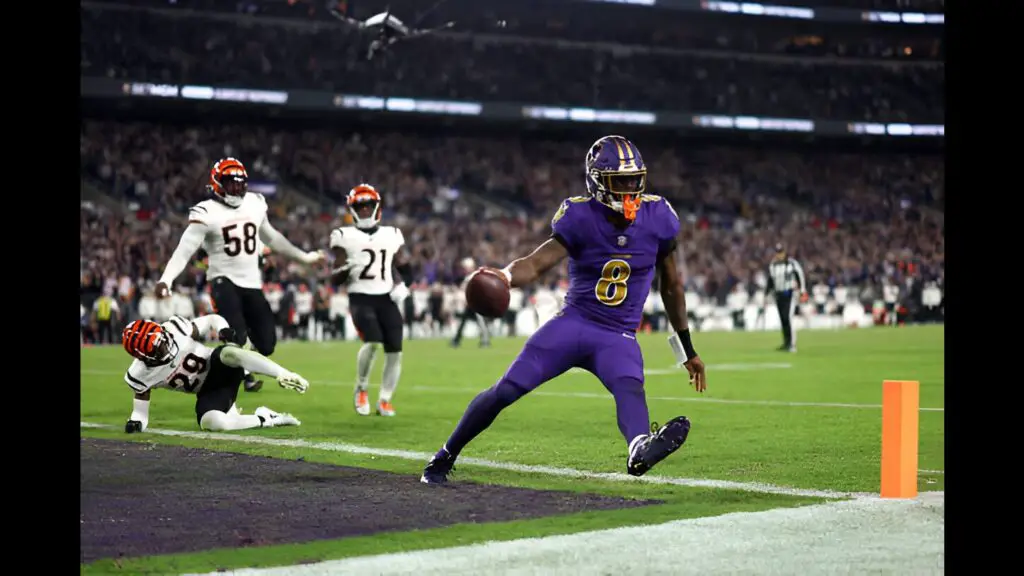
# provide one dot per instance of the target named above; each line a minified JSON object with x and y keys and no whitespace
{"x":611,"y":268}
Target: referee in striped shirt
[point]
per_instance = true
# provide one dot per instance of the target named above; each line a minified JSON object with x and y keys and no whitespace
{"x":785,"y":274}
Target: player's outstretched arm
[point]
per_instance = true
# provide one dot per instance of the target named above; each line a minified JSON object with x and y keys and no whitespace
{"x":190,"y":241}
{"x":278,"y":243}
{"x":528,"y":269}
{"x":253,"y":361}
{"x":139,"y":419}
{"x":674,"y":298}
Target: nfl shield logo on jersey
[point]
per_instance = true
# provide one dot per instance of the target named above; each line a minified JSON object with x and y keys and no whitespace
{"x":622,"y":240}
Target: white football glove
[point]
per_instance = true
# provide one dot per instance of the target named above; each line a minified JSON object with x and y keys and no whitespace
{"x":293,"y":381}
{"x":399,"y":293}
{"x":314,"y":257}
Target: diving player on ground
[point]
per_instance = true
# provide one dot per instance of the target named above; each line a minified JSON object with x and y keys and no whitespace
{"x":229,"y":227}
{"x":615,"y":238}
{"x":170,"y":356}
{"x":369,"y":259}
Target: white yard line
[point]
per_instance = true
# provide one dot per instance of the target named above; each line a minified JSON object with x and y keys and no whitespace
{"x":423,"y":457}
{"x":602,"y":395}
{"x":853,"y":536}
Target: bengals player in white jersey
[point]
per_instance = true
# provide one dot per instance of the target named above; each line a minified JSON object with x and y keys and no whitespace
{"x":230,"y":226}
{"x":170,"y":356}
{"x":370,"y":260}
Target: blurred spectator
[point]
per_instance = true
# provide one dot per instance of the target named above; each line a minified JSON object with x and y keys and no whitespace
{"x":183,"y":46}
{"x":852,"y":219}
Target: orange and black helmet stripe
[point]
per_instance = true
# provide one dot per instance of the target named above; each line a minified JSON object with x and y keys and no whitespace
{"x":223,"y":167}
{"x":362,"y":193}
{"x":140,"y":337}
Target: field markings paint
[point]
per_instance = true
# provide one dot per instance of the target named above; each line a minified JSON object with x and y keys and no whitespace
{"x":862,"y":536}
{"x":423,"y":457}
{"x":603,"y":395}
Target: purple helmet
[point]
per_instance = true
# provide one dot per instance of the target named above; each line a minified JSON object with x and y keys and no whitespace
{"x":616,"y":175}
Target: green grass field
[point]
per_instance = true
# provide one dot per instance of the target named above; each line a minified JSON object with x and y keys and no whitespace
{"x":810,"y":420}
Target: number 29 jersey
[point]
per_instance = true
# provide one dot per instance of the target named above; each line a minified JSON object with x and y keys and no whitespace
{"x":232,"y":238}
{"x":186,"y":372}
{"x":372,"y":254}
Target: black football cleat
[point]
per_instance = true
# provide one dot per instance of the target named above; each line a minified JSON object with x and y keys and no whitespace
{"x":659,"y":445}
{"x":252,"y":384}
{"x":439,"y":467}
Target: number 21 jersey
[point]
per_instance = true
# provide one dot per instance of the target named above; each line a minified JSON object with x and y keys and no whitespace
{"x":232,"y":238}
{"x":372,"y":255}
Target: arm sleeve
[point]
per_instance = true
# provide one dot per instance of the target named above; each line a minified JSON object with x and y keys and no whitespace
{"x":190,"y":241}
{"x":277,"y":242}
{"x":140,"y":412}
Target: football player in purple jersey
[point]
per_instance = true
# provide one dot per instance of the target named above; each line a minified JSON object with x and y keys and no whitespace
{"x":615,"y":237}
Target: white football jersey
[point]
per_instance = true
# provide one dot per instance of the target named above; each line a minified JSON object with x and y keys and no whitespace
{"x":820,"y":292}
{"x":303,"y":302}
{"x":233,"y":238}
{"x":274,"y":299}
{"x":186,"y":372}
{"x":891,"y":293}
{"x":373,"y":255}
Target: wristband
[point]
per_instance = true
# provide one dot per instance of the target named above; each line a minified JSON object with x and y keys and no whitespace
{"x":682,"y":346}
{"x":507,"y":274}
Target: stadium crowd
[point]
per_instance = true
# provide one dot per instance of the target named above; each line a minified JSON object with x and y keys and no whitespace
{"x":855,"y":219}
{"x":145,"y":45}
{"x":611,"y":22}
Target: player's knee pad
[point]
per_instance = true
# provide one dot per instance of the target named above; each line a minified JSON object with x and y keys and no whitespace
{"x":229,"y":356}
{"x":215,"y":421}
{"x":371,"y":347}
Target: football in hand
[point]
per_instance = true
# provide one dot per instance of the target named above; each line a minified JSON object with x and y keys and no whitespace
{"x":487,"y":293}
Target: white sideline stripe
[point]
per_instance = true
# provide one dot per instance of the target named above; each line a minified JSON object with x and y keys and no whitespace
{"x":737,"y":367}
{"x":852,"y":536}
{"x":607,"y":396}
{"x":603,"y":395}
{"x":483,"y":463}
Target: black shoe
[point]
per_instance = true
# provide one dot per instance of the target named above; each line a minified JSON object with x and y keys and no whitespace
{"x":253,"y":385}
{"x":439,"y":467}
{"x":656,"y":447}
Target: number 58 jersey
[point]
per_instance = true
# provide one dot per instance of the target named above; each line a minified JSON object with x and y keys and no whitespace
{"x":372,"y":254}
{"x":232,"y":238}
{"x":186,"y":372}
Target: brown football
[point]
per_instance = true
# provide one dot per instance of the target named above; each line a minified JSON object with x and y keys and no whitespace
{"x":487,"y":294}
